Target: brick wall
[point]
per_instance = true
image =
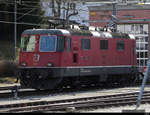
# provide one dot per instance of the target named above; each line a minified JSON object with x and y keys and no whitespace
{"x":104,"y":15}
{"x":121,"y":15}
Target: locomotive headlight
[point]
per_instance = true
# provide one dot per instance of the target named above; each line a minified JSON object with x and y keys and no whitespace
{"x":24,"y":64}
{"x":49,"y":64}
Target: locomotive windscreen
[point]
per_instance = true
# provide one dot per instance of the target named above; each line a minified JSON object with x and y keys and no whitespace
{"x":28,"y":43}
{"x":47,"y":43}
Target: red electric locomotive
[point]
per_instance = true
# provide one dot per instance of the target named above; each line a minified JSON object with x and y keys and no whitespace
{"x":54,"y":57}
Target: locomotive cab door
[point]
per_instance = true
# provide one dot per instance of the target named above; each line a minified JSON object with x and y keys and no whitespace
{"x":71,"y":52}
{"x":75,"y":50}
{"x":133,"y":52}
{"x":70,"y":56}
{"x":67,"y":52}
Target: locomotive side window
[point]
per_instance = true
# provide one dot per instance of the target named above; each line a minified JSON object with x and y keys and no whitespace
{"x":85,"y":44}
{"x":60,"y":43}
{"x":120,"y":45}
{"x":48,"y":43}
{"x":104,"y":44}
{"x":28,"y":43}
{"x":75,"y":58}
{"x":68,"y":48}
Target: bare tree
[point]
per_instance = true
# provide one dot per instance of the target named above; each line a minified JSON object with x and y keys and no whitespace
{"x":56,"y":4}
{"x":70,"y":6}
{"x":63,"y":9}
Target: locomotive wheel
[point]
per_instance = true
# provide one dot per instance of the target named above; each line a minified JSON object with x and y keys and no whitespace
{"x":25,"y":83}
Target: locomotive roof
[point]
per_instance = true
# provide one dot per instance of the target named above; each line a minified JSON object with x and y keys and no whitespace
{"x":78,"y":32}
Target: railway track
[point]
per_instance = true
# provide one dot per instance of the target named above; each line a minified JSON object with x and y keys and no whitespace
{"x":77,"y":103}
{"x":8,"y":87}
{"x":6,"y":92}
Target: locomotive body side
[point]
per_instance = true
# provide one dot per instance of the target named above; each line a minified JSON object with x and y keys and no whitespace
{"x":59,"y":57}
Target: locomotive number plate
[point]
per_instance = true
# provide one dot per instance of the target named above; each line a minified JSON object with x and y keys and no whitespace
{"x":36,"y":57}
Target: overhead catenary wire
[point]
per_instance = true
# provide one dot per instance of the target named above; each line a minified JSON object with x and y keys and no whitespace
{"x":25,"y":14}
{"x":20,"y":23}
{"x":20,"y":13}
{"x":38,"y":7}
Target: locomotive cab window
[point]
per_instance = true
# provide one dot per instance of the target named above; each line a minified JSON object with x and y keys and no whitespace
{"x":120,"y":45}
{"x":85,"y":44}
{"x":68,"y":43}
{"x":104,"y":44}
{"x":28,"y":43}
{"x":48,"y":43}
{"x":60,"y":43}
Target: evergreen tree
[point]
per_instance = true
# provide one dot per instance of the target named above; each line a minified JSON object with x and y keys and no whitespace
{"x":29,"y":15}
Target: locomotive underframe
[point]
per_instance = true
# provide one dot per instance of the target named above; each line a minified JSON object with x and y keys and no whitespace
{"x":49,"y":78}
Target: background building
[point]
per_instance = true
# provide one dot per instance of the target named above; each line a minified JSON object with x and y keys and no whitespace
{"x":133,"y":18}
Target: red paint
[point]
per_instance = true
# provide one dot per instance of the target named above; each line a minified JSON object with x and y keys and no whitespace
{"x":79,"y":57}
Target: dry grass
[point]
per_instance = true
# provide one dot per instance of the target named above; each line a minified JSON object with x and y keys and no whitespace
{"x":8,"y":80}
{"x":7,"y":71}
{"x":7,"y":66}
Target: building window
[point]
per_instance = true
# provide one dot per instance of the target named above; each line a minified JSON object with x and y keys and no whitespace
{"x":104,"y":44}
{"x":85,"y":44}
{"x":146,"y":39}
{"x":141,"y":29}
{"x":132,"y":27}
{"x":120,"y":45}
{"x":136,"y":28}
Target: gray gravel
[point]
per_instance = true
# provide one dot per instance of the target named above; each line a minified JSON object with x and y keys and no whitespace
{"x":143,"y":107}
{"x":80,"y":94}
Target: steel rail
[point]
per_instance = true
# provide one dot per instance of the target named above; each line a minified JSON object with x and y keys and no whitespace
{"x":78,"y":103}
